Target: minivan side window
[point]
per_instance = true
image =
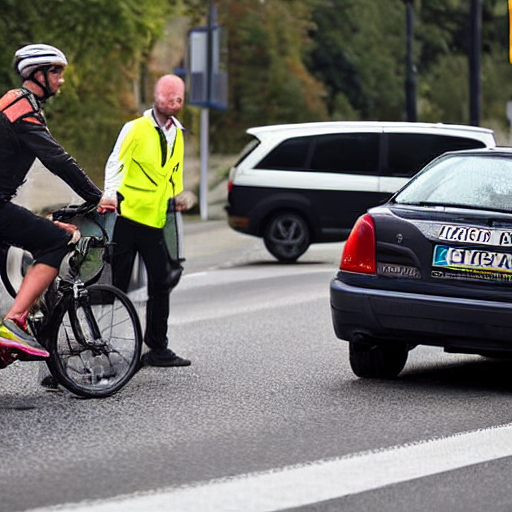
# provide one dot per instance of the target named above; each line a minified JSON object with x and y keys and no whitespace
{"x":290,"y":155}
{"x":409,"y":152}
{"x":353,"y":153}
{"x":247,"y":150}
{"x":350,"y":153}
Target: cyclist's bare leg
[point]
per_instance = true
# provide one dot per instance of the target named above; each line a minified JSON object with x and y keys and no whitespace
{"x":38,"y":278}
{"x":15,"y":341}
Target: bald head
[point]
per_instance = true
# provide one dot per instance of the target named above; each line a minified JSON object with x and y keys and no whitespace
{"x":169,"y":96}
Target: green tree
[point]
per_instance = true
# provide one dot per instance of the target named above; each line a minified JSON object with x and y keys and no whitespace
{"x":289,"y":61}
{"x":268,"y":81}
{"x":444,"y":35}
{"x":358,"y":54}
{"x":105,"y":42}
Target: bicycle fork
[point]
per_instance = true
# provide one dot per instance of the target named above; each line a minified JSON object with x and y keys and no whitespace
{"x":81,"y":297}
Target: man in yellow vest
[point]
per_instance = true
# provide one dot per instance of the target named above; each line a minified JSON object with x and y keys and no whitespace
{"x":143,"y":180}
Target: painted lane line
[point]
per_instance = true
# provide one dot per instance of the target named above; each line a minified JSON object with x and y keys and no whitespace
{"x":297,"y":486}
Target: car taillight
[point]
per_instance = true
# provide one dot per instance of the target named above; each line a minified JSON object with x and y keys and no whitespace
{"x":359,"y":251}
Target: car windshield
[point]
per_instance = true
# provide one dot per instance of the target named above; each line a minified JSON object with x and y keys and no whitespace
{"x":470,"y":181}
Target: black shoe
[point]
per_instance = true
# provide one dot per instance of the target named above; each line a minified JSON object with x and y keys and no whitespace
{"x":163,"y":358}
{"x":49,"y":382}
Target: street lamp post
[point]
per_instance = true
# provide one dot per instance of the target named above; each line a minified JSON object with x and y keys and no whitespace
{"x":207,"y":69}
{"x":410,"y":79}
{"x":474,"y":62}
{"x":205,"y":119}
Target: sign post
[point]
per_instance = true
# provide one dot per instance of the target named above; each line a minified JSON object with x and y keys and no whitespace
{"x":208,"y":88}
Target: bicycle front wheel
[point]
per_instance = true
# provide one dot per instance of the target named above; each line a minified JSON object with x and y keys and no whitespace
{"x":95,"y":350}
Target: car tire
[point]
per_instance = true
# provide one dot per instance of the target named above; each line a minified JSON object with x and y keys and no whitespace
{"x":287,"y":236}
{"x":378,"y":361}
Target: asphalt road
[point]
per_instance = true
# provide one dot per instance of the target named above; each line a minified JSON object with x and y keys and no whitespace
{"x":268,"y":417}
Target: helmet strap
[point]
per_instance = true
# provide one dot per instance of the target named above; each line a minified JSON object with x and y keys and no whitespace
{"x":47,"y":93}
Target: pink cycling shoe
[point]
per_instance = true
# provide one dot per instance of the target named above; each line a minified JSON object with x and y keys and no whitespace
{"x":14,"y":337}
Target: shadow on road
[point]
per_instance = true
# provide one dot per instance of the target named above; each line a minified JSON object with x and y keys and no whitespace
{"x":477,"y":375}
{"x":483,"y":374}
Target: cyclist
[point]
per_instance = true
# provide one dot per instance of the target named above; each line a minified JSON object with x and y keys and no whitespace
{"x":24,"y":137}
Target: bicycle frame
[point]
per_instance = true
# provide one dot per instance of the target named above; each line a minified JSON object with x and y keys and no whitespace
{"x":55,"y":299}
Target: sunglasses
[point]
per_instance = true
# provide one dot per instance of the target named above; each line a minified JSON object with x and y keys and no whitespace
{"x":56,"y":69}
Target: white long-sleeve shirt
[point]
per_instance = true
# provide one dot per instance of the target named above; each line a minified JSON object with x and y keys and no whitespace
{"x":114,"y":167}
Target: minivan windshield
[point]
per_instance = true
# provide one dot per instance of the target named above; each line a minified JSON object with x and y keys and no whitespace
{"x":469,"y":181}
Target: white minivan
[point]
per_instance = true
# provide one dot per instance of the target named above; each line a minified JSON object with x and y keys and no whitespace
{"x":298,"y":184}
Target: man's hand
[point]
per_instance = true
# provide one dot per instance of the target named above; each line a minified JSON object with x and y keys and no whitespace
{"x":184,"y":201}
{"x":107,"y":204}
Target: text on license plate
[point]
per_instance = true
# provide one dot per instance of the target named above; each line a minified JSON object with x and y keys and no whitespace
{"x":457,"y":258}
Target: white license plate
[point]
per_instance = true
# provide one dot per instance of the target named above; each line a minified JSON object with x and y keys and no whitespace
{"x":461,"y":258}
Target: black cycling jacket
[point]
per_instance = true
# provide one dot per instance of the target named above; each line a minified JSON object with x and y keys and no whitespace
{"x":24,"y":137}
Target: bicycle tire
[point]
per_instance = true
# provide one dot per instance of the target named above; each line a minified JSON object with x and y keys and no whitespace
{"x":83,"y":364}
{"x":14,"y":263}
{"x":3,"y":271}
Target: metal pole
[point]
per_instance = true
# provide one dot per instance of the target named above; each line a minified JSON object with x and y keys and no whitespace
{"x":474,"y":62}
{"x":204,"y":149}
{"x":410,"y":81}
{"x":205,"y":125}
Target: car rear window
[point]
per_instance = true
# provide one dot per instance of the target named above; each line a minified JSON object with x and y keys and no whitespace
{"x":474,"y":181}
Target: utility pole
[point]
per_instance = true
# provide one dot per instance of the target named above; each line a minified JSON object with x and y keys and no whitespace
{"x":474,"y":62}
{"x":410,"y":80}
{"x":207,"y":69}
{"x":205,"y":119}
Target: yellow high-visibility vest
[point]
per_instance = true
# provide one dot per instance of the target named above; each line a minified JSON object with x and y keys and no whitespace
{"x":153,"y":172}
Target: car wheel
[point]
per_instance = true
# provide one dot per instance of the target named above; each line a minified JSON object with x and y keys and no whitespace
{"x":379,"y":361}
{"x":287,"y":236}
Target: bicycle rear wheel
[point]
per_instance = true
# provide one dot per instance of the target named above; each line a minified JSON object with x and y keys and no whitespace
{"x":14,"y":263}
{"x":96,"y":343}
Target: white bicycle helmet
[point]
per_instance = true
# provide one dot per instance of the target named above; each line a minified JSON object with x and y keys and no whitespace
{"x":32,"y":57}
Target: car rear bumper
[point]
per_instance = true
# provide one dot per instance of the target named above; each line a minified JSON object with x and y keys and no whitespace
{"x":241,"y":223}
{"x":457,"y":324}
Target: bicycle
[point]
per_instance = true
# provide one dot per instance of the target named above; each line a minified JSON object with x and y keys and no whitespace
{"x":91,"y":330}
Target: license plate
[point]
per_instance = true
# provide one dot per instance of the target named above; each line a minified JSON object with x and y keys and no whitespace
{"x":473,"y":235}
{"x":477,"y":259}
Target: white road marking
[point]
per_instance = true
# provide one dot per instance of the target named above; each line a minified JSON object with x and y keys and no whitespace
{"x":297,"y":486}
{"x":234,"y":275}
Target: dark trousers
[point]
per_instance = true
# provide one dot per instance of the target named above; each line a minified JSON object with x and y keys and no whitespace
{"x":129,"y":239}
{"x":47,"y":242}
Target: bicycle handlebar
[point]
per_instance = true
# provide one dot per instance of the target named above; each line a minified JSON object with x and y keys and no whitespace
{"x":70,"y":211}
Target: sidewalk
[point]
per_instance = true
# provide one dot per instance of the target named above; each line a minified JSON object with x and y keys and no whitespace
{"x":44,"y":190}
{"x":213,"y":244}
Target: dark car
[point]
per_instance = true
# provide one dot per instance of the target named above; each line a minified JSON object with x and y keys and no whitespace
{"x":432,"y":266}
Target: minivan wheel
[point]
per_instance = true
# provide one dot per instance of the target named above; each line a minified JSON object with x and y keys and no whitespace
{"x":378,"y":361}
{"x":286,"y":236}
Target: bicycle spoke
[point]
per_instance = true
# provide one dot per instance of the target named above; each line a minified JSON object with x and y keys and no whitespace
{"x":97,"y":345}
